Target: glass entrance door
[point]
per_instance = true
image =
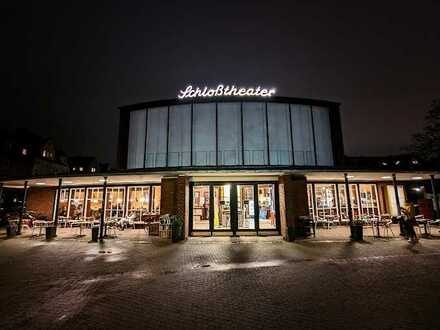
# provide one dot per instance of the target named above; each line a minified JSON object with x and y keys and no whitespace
{"x":245,"y":207}
{"x":234,"y":207}
{"x":222,"y":207}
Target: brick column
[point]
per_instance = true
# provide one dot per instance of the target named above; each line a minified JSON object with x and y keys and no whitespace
{"x":293,"y":201}
{"x":182,"y":201}
{"x":174,"y":198}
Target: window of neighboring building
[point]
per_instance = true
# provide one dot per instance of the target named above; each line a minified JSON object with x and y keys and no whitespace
{"x":74,"y":169}
{"x":81,"y":169}
{"x":93,"y":170}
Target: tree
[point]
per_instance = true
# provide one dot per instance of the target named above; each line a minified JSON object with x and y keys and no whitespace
{"x":426,"y":145}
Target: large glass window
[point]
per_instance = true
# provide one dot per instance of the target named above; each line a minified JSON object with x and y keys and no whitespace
{"x":222,"y":207}
{"x":63,"y":202}
{"x":254,"y":133}
{"x":179,"y":144}
{"x":326,"y":201}
{"x":114,"y":205}
{"x":138,"y":201}
{"x":369,"y":200}
{"x":155,"y":200}
{"x":94,"y":203}
{"x":200,"y":211}
{"x":391,"y":199}
{"x":76,"y":204}
{"x":310,"y":198}
{"x":204,"y":133}
{"x":136,"y":139}
{"x":323,"y":138}
{"x":156,"y":144}
{"x":280,"y":146}
{"x":354,"y":198}
{"x":266,"y":204}
{"x":302,"y":131}
{"x":229,"y":133}
{"x":245,"y":207}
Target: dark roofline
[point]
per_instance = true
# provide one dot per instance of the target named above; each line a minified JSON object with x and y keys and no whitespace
{"x":275,"y":99}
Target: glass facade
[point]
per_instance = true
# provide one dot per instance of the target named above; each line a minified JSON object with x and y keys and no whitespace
{"x":114,"y":202}
{"x":94,"y":203}
{"x":329,"y":201}
{"x":230,"y":134}
{"x":266,"y":206}
{"x":138,"y":201}
{"x":76,"y":203}
{"x":120,"y":201}
{"x":247,"y":206}
{"x":200,"y":211}
{"x":222,"y":207}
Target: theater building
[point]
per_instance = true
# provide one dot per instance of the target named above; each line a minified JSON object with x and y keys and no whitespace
{"x":241,"y":164}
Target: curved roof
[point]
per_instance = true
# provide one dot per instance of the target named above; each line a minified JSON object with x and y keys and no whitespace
{"x":275,"y":99}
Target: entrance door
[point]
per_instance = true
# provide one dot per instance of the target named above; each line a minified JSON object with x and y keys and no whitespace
{"x":232,"y":208}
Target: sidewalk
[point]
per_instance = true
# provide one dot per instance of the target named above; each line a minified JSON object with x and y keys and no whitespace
{"x":219,"y":282}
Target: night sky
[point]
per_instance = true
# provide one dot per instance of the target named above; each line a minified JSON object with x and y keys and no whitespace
{"x":69,"y":66}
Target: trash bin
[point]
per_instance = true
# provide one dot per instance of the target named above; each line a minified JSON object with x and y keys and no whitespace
{"x":177,"y":230}
{"x":95,"y":233}
{"x":357,"y":232}
{"x":51,"y":232}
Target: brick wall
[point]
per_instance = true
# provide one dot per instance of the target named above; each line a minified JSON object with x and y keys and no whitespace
{"x":174,"y":198}
{"x":41,"y":200}
{"x":293,"y":200}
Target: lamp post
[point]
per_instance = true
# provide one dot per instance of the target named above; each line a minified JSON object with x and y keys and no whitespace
{"x":56,"y":204}
{"x":434,"y":197}
{"x":102,"y":224}
{"x":396,"y":196}
{"x":350,"y":211}
{"x":23,"y":207}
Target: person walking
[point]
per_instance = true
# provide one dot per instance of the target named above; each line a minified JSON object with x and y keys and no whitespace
{"x":409,"y":222}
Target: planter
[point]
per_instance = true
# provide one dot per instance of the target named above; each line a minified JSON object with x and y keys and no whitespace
{"x":357,"y":232}
{"x":177,"y":230}
{"x":51,"y":232}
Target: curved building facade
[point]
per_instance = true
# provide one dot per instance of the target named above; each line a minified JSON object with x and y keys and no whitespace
{"x":238,"y":133}
{"x":236,"y":164}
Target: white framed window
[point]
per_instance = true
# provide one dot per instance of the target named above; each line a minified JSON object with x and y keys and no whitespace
{"x":114,"y":202}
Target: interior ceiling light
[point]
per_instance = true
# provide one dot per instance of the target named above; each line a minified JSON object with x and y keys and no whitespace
{"x":417,"y":178}
{"x":386,"y":177}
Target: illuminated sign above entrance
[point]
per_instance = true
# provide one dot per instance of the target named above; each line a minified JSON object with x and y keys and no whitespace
{"x":224,"y":90}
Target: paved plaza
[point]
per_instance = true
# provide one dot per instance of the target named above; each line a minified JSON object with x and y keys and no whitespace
{"x":248,"y":282}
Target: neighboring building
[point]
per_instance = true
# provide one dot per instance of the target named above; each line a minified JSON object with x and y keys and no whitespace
{"x":25,"y":154}
{"x":83,"y":165}
{"x":236,"y":165}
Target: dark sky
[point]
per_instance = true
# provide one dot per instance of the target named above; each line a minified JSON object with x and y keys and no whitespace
{"x":69,"y":66}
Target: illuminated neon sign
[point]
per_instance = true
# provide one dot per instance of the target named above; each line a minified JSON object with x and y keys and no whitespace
{"x":222,"y":90}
